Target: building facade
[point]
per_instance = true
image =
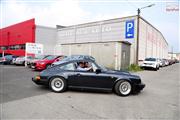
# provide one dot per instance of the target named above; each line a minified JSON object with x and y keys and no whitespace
{"x":112,"y":42}
{"x":124,"y":30}
{"x":13,"y":38}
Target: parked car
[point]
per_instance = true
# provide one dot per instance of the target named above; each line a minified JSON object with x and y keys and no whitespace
{"x":7,"y":59}
{"x":21,"y":60}
{"x":30,"y":62}
{"x":67,"y":75}
{"x":171,"y":61}
{"x":162,"y":63}
{"x":46,"y":62}
{"x":166,"y":62}
{"x":151,"y":63}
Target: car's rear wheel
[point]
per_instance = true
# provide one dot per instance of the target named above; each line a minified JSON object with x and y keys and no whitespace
{"x":57,"y":84}
{"x":123,"y":88}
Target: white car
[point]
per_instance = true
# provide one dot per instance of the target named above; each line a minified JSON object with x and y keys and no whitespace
{"x":19,"y":60}
{"x":151,"y":63}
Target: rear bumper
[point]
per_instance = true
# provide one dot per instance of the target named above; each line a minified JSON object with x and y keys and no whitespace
{"x":40,"y":82}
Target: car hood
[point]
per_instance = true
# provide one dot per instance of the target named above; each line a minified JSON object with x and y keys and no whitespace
{"x":125,"y":74}
{"x":39,"y":61}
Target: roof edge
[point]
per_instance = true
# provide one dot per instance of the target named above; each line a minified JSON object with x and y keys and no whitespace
{"x":154,"y":28}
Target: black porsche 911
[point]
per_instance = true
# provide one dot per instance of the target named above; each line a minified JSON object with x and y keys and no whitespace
{"x":83,"y":73}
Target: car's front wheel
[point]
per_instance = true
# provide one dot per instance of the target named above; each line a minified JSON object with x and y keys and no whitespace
{"x":57,"y":84}
{"x":123,"y":88}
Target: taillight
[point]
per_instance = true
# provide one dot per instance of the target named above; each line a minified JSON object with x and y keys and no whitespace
{"x":38,"y":77}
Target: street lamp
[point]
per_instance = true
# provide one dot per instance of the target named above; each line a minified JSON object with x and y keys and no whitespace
{"x":138,"y":16}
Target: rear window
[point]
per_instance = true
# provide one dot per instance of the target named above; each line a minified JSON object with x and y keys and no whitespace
{"x":150,"y":59}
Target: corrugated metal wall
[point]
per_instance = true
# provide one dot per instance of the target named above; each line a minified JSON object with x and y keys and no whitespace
{"x":46,"y":36}
{"x":151,"y":42}
{"x":101,"y":31}
{"x":107,"y":53}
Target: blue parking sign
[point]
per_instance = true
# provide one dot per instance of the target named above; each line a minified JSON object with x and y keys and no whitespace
{"x":129,"y":29}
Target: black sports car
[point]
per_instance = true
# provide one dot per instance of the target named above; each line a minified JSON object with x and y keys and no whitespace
{"x":83,"y":73}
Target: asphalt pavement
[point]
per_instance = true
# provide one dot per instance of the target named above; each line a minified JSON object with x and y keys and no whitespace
{"x":22,"y":99}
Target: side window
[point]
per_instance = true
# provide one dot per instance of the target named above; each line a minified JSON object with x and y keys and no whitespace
{"x":69,"y":66}
{"x":86,"y":66}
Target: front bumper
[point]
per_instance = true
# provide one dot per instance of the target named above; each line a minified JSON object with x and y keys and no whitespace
{"x":138,"y":87}
{"x":38,"y":66}
{"x":148,"y":66}
{"x":19,"y":62}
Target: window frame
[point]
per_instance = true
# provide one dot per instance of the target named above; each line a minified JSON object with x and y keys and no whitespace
{"x":67,"y":64}
{"x":88,"y":62}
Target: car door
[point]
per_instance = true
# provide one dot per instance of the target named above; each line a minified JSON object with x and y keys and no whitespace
{"x":92,"y":79}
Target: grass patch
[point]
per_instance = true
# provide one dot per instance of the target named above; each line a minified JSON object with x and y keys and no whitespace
{"x":134,"y":68}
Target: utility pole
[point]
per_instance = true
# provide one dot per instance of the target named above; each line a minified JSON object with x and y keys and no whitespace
{"x":137,"y":43}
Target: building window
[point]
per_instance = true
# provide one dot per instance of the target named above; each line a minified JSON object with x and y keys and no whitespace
{"x":4,"y":47}
{"x":11,"y":48}
{"x":16,"y":47}
{"x":22,"y":47}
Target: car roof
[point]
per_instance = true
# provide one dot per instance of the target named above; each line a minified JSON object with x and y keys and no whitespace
{"x":75,"y":58}
{"x":79,"y":58}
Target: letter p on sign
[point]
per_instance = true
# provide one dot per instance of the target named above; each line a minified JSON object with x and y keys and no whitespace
{"x":129,"y":29}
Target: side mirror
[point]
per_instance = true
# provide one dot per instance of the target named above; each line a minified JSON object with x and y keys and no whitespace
{"x":98,"y":71}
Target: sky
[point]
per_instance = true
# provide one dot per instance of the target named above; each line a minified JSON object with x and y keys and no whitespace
{"x":70,"y":12}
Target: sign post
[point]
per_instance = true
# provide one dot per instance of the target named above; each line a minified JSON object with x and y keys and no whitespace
{"x":33,"y":48}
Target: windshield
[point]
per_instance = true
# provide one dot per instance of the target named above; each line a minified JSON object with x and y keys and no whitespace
{"x":50,"y":57}
{"x":102,"y":67}
{"x":150,"y":59}
{"x":40,"y":57}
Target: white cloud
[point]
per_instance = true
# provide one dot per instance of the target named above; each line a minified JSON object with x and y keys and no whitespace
{"x":64,"y":12}
{"x":50,"y":13}
{"x":111,"y":16}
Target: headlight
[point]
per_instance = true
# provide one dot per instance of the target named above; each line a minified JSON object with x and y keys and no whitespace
{"x":42,"y":63}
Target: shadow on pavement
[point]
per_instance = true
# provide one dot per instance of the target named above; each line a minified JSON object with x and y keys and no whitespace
{"x":16,"y":83}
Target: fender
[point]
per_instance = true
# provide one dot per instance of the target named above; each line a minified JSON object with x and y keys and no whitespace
{"x":62,"y":75}
{"x":123,"y":78}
